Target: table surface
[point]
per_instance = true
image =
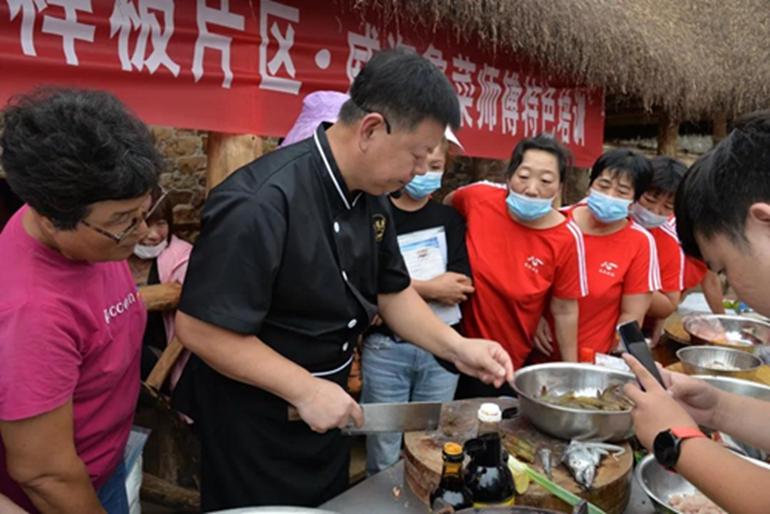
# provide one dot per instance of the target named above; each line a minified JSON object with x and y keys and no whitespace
{"x":386,"y":493}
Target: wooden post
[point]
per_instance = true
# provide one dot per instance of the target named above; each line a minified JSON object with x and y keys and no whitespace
{"x":228,"y":152}
{"x":668,"y":133}
{"x":719,"y":130}
{"x":161,"y":297}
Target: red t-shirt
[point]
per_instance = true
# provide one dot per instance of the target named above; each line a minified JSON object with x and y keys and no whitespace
{"x":515,"y":268}
{"x":693,"y":269}
{"x":671,"y":258}
{"x":618,"y":264}
{"x":68,"y":329}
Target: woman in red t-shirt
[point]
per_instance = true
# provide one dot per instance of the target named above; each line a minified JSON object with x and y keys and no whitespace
{"x":525,"y":256}
{"x":620,"y":254}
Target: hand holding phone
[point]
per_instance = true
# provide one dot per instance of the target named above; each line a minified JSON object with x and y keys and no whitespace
{"x":633,"y":340}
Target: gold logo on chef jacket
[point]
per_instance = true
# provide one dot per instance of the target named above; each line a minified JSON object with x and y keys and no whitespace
{"x":379,"y":223}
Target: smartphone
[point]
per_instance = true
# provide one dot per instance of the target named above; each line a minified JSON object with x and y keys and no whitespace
{"x":632,"y":338}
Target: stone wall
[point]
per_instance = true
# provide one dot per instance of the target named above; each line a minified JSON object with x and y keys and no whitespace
{"x":185,"y":175}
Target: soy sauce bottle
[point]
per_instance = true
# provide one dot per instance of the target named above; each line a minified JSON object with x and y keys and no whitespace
{"x":451,"y":493}
{"x":487,"y":475}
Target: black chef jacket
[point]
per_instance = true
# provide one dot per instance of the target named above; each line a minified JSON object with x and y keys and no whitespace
{"x":288,"y":254}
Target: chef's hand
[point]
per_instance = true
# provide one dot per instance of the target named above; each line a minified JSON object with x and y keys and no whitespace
{"x":655,"y":410}
{"x":326,"y":405}
{"x":450,"y":288}
{"x":485,"y":360}
{"x":543,"y":341}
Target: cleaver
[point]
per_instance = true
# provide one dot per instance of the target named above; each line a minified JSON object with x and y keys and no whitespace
{"x":391,"y":417}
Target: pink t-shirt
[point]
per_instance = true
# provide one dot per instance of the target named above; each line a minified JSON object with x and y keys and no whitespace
{"x":68,"y":329}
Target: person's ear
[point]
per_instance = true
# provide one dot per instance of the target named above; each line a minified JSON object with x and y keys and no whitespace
{"x":47,"y":225}
{"x":759,"y":213}
{"x":369,"y":129}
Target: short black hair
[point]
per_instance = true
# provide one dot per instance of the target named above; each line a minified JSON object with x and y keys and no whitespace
{"x":667,"y":174}
{"x":545,"y":143}
{"x":717,"y":191}
{"x":65,"y":149}
{"x":405,"y":88}
{"x":626,"y":162}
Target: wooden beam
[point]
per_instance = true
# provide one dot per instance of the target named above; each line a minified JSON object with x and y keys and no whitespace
{"x":162,"y":492}
{"x":719,"y":130}
{"x":161,"y":297}
{"x":668,"y":134}
{"x":228,"y":152}
{"x":165,"y":364}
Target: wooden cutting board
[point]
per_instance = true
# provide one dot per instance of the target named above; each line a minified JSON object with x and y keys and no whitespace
{"x":610,"y":492}
{"x":674,"y":329}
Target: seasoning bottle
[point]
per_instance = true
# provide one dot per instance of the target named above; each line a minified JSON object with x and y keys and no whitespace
{"x":451,"y":491}
{"x":487,"y":475}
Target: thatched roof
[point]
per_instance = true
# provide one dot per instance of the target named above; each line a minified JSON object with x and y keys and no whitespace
{"x":690,"y":57}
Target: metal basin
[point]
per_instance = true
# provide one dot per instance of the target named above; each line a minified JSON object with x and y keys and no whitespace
{"x":566,"y":422}
{"x":738,"y":386}
{"x":717,"y":360}
{"x":736,"y":332}
{"x":660,"y":484}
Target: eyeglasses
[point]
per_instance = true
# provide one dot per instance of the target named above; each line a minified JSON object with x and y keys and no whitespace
{"x":369,"y":111}
{"x":118,"y":238}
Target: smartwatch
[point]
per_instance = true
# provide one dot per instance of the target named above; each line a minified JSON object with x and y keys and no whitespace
{"x":668,"y":444}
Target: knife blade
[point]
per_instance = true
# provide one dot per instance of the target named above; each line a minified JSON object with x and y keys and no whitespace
{"x":392,"y":417}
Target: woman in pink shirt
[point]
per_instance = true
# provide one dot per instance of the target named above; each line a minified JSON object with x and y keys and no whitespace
{"x":71,"y":323}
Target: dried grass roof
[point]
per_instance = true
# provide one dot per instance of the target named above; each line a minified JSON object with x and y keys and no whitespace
{"x":690,"y":57}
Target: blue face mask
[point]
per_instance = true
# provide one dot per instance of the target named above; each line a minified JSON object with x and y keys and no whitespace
{"x":526,"y":208}
{"x":646,"y":217}
{"x":423,"y":185}
{"x":607,"y":209}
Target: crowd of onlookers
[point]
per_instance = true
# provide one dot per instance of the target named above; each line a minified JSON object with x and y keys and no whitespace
{"x":335,"y":238}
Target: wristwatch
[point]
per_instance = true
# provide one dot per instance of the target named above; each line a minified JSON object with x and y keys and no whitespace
{"x":668,"y":444}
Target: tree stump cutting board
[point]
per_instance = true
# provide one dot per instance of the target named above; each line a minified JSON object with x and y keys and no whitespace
{"x":612,"y":485}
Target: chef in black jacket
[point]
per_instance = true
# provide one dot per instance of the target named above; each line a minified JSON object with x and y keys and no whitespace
{"x":297,"y":255}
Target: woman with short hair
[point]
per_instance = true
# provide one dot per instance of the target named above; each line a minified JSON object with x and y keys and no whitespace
{"x":526,"y":257}
{"x":620,"y":255}
{"x":71,"y":323}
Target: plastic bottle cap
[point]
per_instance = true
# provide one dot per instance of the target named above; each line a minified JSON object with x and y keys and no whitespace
{"x":490,"y":413}
{"x":453,"y":449}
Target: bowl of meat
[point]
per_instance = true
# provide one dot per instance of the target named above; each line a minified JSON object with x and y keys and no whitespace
{"x":738,"y":332}
{"x":718,"y":360}
{"x":575,"y":401}
{"x":671,"y":493}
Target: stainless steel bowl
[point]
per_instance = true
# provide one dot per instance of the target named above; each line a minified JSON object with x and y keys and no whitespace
{"x":737,"y":332}
{"x":738,"y":386}
{"x":274,"y":510}
{"x":661,"y":484}
{"x":717,"y":360}
{"x":565,"y":422}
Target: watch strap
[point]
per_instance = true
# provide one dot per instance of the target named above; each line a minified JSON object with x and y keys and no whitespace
{"x":687,"y":432}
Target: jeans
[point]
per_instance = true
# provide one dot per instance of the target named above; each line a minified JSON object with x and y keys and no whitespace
{"x":398,"y":372}
{"x":112,"y":494}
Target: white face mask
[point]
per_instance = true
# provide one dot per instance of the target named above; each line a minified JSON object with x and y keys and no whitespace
{"x":150,"y":252}
{"x":646,"y":217}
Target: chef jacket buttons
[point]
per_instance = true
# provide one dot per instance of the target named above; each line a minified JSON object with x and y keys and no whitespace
{"x":352,"y":323}
{"x":345,"y":346}
{"x":336,"y":227}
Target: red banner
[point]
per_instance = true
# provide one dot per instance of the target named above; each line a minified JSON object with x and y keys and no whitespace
{"x":243,"y":66}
